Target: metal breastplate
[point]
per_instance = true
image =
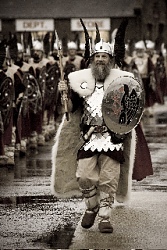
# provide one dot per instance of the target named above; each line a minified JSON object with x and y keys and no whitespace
{"x":93,"y":116}
{"x":92,"y":107}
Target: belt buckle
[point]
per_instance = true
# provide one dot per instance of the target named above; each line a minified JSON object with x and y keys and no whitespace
{"x":100,"y":129}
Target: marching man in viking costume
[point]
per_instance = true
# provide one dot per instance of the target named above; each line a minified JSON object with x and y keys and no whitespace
{"x":38,"y":68}
{"x":105,"y":104}
{"x":6,"y":108}
{"x":10,"y":81}
{"x":72,"y":57}
{"x":146,"y":69}
{"x":25,"y":98}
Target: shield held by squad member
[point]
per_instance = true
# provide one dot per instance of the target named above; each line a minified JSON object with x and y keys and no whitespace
{"x":123,"y":104}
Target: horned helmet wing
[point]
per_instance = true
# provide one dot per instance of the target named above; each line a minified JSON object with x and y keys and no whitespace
{"x":3,"y":44}
{"x":98,"y":38}
{"x":87,"y":43}
{"x":12,"y":43}
{"x":53,"y":39}
{"x":46,"y":44}
{"x":119,"y":45}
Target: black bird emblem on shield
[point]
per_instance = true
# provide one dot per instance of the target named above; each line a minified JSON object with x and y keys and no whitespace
{"x":130,"y":105}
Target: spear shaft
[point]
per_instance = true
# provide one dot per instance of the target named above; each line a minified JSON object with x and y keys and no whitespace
{"x":64,"y":95}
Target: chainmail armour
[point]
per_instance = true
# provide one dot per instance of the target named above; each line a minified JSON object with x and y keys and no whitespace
{"x":93,"y":116}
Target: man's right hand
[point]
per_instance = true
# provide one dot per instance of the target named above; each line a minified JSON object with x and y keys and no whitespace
{"x":62,"y":86}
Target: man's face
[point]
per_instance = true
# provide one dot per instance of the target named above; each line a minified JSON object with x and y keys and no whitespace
{"x":55,"y":54}
{"x":101,"y":58}
{"x":19,"y":59}
{"x":140,"y":52}
{"x":101,"y":66}
{"x":37,"y":55}
{"x":20,"y":56}
{"x":72,"y":52}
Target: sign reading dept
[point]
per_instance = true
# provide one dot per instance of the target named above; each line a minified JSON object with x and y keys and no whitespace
{"x":34,"y":24}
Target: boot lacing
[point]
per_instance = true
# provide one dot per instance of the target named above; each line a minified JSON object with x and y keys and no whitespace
{"x":106,"y":202}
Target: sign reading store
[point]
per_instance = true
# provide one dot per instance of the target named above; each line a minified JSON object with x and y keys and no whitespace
{"x":34,"y":24}
{"x":103,"y":24}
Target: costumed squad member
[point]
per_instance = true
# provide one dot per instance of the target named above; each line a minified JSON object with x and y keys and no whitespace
{"x":103,"y":166}
{"x":146,"y":69}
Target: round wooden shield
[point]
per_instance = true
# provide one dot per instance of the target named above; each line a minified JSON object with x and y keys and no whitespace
{"x":123,"y":104}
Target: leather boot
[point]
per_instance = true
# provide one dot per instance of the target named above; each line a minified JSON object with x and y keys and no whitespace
{"x":23,"y":147}
{"x":17,"y":150}
{"x":33,"y":140}
{"x":104,"y":213}
{"x":41,"y":140}
{"x":9,"y":153}
{"x":91,"y":202}
{"x":3,"y":160}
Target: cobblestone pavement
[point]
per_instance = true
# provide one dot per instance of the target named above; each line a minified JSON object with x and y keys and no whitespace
{"x":31,"y":218}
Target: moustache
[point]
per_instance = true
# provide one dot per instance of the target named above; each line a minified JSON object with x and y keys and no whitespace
{"x":100,"y":63}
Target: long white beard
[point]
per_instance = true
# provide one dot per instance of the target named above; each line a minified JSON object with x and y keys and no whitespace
{"x":100,"y":71}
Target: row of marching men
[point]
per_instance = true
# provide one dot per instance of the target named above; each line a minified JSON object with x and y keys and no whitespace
{"x":29,"y":111}
{"x":149,"y":66}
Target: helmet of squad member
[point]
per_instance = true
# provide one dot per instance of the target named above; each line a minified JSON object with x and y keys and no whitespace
{"x":72,"y":45}
{"x":150,"y":44}
{"x":82,"y":46}
{"x":19,"y":47}
{"x":37,"y":45}
{"x":140,"y":45}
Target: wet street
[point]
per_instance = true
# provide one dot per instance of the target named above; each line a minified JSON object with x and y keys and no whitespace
{"x":31,"y":218}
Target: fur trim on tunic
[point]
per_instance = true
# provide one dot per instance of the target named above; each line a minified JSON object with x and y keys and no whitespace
{"x":83,"y":82}
{"x":125,"y":182}
{"x":64,"y":164}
